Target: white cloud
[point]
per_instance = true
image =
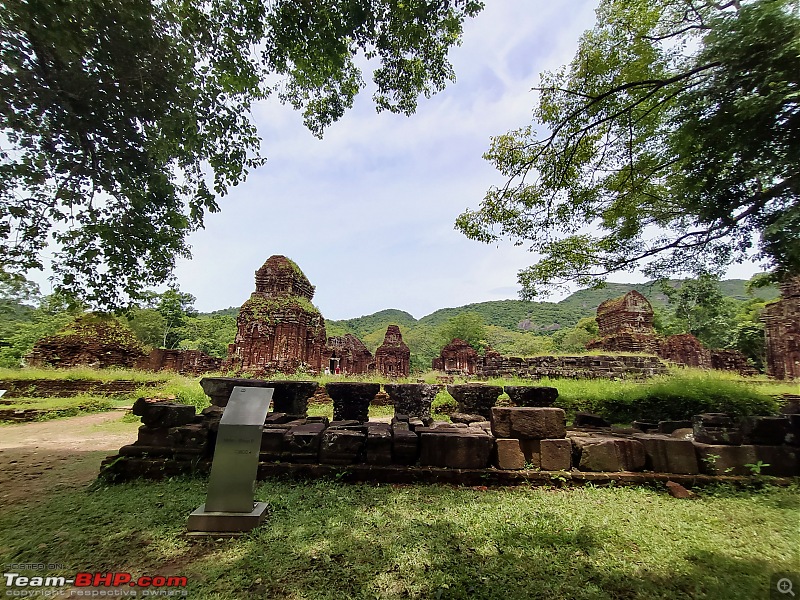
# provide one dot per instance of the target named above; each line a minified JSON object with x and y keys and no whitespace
{"x":368,"y":211}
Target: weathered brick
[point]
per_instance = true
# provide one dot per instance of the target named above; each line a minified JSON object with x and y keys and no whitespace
{"x":556,"y":455}
{"x":513,"y":454}
{"x":456,"y":450}
{"x":341,"y":447}
{"x":528,"y":423}
{"x":669,"y":454}
{"x":405,"y":446}
{"x":610,"y":454}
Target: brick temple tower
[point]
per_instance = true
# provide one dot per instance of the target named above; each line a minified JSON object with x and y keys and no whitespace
{"x":278,"y":329}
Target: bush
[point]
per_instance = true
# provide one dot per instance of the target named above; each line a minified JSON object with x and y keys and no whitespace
{"x":667,"y":398}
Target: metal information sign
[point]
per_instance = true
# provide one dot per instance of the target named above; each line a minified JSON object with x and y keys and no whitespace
{"x":235,"y":464}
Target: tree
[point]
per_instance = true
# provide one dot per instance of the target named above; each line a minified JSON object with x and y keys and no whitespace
{"x":699,"y":308}
{"x":124,"y":121}
{"x":468,"y":326}
{"x":672,"y":144}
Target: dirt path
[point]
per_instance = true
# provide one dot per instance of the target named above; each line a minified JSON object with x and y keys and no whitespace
{"x":37,"y":459}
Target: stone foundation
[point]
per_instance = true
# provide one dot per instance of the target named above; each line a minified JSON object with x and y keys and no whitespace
{"x":174,"y":440}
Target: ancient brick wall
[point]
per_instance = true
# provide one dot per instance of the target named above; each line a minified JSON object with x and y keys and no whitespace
{"x":782,"y":327}
{"x":581,"y":366}
{"x":685,"y":349}
{"x":348,"y":353}
{"x":393,"y":358}
{"x":190,"y":362}
{"x":457,"y":358}
{"x":90,"y":339}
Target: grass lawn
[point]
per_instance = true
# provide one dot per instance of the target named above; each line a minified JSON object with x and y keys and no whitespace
{"x":330,"y":540}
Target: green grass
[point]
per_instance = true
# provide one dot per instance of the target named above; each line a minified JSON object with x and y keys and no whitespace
{"x":325,"y":540}
{"x":82,"y":373}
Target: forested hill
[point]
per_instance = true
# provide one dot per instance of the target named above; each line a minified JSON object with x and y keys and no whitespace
{"x":535,"y":316}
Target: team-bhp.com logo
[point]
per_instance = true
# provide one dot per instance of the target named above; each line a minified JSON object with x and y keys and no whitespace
{"x":121,"y":584}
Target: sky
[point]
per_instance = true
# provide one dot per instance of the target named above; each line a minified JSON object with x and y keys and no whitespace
{"x":368,"y":212}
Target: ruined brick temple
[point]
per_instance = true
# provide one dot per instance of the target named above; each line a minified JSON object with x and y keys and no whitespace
{"x":626,"y":325}
{"x":278,"y":328}
{"x":393,"y":358}
{"x":782,"y":326}
{"x":457,"y":358}
{"x":349,"y":355}
{"x":89,"y":340}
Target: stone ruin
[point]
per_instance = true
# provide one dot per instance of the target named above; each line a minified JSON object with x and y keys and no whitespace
{"x":782,"y":326}
{"x":89,"y":340}
{"x":185,"y":362}
{"x":393,"y":358}
{"x":685,"y":349}
{"x":457,"y":358}
{"x":626,"y":325}
{"x":278,"y":329}
{"x":525,"y":443}
{"x":349,"y":354}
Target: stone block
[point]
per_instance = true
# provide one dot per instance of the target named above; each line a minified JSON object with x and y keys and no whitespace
{"x":405,"y":447}
{"x":766,"y":431}
{"x":302,"y":443}
{"x":669,"y":454}
{"x":475,"y":398}
{"x":528,"y":423}
{"x":644,"y":426}
{"x":458,"y":417}
{"x":556,"y":455}
{"x":670,"y":426}
{"x":412,"y":399}
{"x":456,"y":450}
{"x":158,"y":413}
{"x":714,"y":420}
{"x":610,"y":454}
{"x":379,"y":445}
{"x":585,"y":419}
{"x":716,"y":435}
{"x":272,"y":443}
{"x":193,"y":436}
{"x":725,"y":459}
{"x":791,"y":405}
{"x":531,"y":395}
{"x":780,"y":461}
{"x":149,"y":436}
{"x":342,"y":447}
{"x":351,"y":400}
{"x":513,"y":454}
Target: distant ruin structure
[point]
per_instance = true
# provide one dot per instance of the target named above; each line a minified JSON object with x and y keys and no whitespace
{"x":186,"y":362}
{"x":626,"y":325}
{"x":89,"y":340}
{"x":349,"y":355}
{"x":782,"y":326}
{"x":685,"y":349}
{"x":457,"y":358}
{"x":278,"y":328}
{"x":393,"y":358}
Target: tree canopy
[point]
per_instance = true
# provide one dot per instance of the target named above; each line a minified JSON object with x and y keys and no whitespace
{"x":123,"y":122}
{"x":671,"y":143}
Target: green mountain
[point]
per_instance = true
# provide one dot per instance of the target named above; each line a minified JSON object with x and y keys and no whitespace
{"x":361,"y":326}
{"x":513,"y":314}
{"x":516,"y":315}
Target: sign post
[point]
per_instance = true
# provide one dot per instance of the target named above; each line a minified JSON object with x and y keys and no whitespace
{"x":229,"y":505}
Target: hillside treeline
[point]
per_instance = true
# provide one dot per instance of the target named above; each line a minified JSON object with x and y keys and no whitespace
{"x":722,"y":314}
